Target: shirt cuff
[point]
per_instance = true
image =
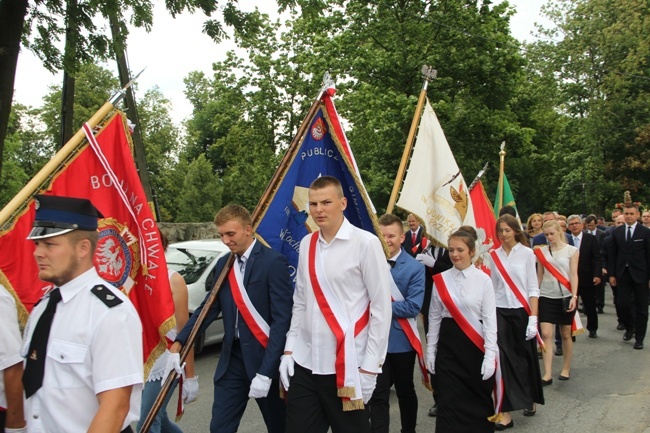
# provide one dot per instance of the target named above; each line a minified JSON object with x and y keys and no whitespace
{"x":10,"y":361}
{"x":372,"y":363}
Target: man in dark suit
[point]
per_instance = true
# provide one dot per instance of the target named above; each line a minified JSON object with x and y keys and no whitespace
{"x":408,"y":276}
{"x":591,"y":227}
{"x":413,"y":238}
{"x":589,"y":270}
{"x":255,"y":332}
{"x":629,"y":267}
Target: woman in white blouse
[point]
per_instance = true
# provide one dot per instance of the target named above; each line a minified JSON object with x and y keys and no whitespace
{"x":516,"y":290}
{"x":563,"y":258}
{"x":462,"y":344}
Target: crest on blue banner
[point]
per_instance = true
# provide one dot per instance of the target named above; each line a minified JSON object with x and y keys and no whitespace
{"x":286,"y":220}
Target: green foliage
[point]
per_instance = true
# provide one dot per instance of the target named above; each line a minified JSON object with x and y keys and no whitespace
{"x":200,"y":197}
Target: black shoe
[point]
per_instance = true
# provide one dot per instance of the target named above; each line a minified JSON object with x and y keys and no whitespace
{"x":638,"y":345}
{"x":547,"y":382}
{"x":558,"y":351}
{"x":434,"y":410}
{"x":499,"y":426}
{"x":628,"y":335}
{"x":592,"y":334}
{"x":564,"y":377}
{"x":620,"y":327}
{"x":528,"y":412}
{"x":600,"y":310}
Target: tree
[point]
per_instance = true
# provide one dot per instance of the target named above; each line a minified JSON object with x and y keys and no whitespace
{"x":201,"y":193}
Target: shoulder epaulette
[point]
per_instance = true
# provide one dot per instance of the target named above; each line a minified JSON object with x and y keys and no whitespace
{"x":106,"y":295}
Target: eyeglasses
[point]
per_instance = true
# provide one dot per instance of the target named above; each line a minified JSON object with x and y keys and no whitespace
{"x":574,"y":224}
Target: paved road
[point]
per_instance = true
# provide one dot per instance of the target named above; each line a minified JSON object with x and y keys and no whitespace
{"x":609,"y":391}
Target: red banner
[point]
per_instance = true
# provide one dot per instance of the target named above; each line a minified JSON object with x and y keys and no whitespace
{"x":485,"y":224}
{"x":129,"y":253}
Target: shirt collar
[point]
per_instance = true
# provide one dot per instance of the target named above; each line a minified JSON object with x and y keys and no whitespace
{"x":396,"y":255}
{"x":344,"y":232}
{"x":244,"y":257}
{"x":633,"y":226}
{"x":465,"y":273}
{"x":579,"y":236}
{"x":70,"y":289}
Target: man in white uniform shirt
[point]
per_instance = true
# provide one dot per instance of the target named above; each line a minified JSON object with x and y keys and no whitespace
{"x":342,"y":300}
{"x":12,"y":419}
{"x":83,"y":341}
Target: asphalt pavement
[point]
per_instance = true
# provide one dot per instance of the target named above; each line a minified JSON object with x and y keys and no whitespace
{"x":609,"y":390}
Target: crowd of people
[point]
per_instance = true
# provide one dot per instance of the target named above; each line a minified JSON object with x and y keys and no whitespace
{"x":324,"y":354}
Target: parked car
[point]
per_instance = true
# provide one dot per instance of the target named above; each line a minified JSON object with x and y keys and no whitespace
{"x":194,"y":260}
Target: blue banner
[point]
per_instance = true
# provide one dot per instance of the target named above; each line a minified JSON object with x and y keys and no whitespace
{"x":286,"y":220}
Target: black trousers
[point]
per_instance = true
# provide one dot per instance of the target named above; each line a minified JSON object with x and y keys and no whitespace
{"x":313,"y":406}
{"x":588,"y":296}
{"x":632,"y":298}
{"x":397,"y":370}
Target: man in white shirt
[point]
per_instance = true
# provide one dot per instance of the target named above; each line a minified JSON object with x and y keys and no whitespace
{"x":340,"y":320}
{"x":12,"y":418}
{"x":83,"y":341}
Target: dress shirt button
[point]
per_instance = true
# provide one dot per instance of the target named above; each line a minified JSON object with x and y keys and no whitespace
{"x":35,"y":416}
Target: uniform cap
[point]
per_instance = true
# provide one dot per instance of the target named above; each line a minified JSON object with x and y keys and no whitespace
{"x":56,"y":215}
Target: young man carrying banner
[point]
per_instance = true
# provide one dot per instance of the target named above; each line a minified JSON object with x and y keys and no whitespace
{"x":407,"y":292}
{"x":340,"y":321}
{"x":83,"y":341}
{"x":256,"y":307}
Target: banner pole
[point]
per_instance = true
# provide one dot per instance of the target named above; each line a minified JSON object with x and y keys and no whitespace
{"x":261,"y":205}
{"x":59,"y":158}
{"x":502,"y":157}
{"x":429,"y":74}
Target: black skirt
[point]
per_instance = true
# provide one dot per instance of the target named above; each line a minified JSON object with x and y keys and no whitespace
{"x":552,"y":311}
{"x":464,"y":398}
{"x":519,"y":364}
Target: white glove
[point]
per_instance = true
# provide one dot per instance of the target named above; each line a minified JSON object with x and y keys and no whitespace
{"x":173,"y":364}
{"x":190,"y":389}
{"x":531,"y":329}
{"x":260,"y":386}
{"x":368,"y":382}
{"x":286,"y":370}
{"x":430,"y":359}
{"x":426,"y":260}
{"x":488,"y":368}
{"x":16,"y":430}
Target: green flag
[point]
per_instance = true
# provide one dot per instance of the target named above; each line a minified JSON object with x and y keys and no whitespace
{"x":508,"y":198}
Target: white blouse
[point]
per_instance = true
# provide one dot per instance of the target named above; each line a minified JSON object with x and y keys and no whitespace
{"x":520,"y":265}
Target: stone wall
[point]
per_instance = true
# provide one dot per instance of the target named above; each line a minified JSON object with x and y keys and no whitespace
{"x":177,"y":232}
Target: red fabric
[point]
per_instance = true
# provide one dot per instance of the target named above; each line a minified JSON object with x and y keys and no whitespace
{"x":484,"y":218}
{"x":248,"y":317}
{"x":413,"y":239}
{"x":446,"y":299}
{"x":511,"y":284}
{"x":549,"y":267}
{"x":122,"y":238}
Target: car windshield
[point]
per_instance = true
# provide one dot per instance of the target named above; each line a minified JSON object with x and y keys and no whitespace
{"x":190,"y":263}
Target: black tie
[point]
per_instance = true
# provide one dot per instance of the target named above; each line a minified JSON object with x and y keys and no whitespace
{"x":391,"y":263}
{"x":629,"y":233}
{"x":35,"y":363}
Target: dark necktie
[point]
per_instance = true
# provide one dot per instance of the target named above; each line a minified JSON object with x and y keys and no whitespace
{"x":629,"y":233}
{"x":391,"y":263}
{"x":35,"y":363}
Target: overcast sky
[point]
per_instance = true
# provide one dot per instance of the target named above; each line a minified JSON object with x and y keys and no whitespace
{"x":175,"y":47}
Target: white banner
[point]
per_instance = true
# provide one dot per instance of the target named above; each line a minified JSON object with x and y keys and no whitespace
{"x":434,"y":188}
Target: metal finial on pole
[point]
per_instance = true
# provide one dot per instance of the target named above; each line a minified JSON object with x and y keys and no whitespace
{"x":478,"y":176}
{"x":428,"y":74}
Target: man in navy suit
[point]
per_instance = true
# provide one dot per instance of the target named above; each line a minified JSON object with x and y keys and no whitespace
{"x":591,"y":227}
{"x":408,"y":275}
{"x":589,"y":270}
{"x":255,"y":331}
{"x":629,"y":271}
{"x":413,"y":238}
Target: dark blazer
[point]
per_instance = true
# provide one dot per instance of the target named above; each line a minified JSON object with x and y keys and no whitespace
{"x":589,"y":262}
{"x":408,"y":242}
{"x":267,"y":282}
{"x":408,"y":275}
{"x":540,"y":240}
{"x":600,"y":235}
{"x":633,"y":255}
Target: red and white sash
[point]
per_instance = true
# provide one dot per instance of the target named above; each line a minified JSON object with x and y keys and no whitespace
{"x":552,"y":266}
{"x":251,"y":316}
{"x":347,"y":374}
{"x":410,"y":328}
{"x":471,"y":326}
{"x":509,"y":282}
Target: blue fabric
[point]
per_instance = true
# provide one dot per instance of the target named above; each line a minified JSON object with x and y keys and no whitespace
{"x":282,"y":225}
{"x":408,"y":275}
{"x":162,"y":423}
